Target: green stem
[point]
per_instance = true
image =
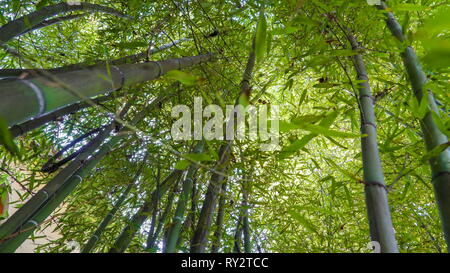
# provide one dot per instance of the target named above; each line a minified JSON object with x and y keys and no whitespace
{"x":380,"y":222}
{"x":22,"y":24}
{"x":199,"y":238}
{"x":174,"y":231}
{"x":440,"y":164}
{"x":16,"y":229}
{"x":124,"y":60}
{"x":23,"y":128}
{"x":219,"y":220}
{"x":22,"y":99}
{"x":99,"y":231}
{"x":139,"y":218}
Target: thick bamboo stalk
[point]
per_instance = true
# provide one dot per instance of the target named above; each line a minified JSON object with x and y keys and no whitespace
{"x":42,"y":196}
{"x":18,"y":26}
{"x":41,"y":205}
{"x":99,"y":231}
{"x":22,"y":99}
{"x":174,"y":231}
{"x":53,"y":21}
{"x":440,"y":164}
{"x":198,"y":243}
{"x":139,"y":218}
{"x":100,"y":63}
{"x":23,"y":128}
{"x":381,"y":228}
{"x":27,"y":228}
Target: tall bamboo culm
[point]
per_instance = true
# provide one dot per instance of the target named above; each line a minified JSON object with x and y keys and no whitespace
{"x":178,"y":218}
{"x":99,"y":231}
{"x":23,"y":223}
{"x":129,"y":231}
{"x":440,"y":165}
{"x":199,"y":239}
{"x":19,"y":26}
{"x":380,"y":222}
{"x":23,"y":99}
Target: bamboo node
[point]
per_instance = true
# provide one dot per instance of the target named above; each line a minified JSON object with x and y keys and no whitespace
{"x":369,"y":123}
{"x":34,"y":223}
{"x":160,"y":68}
{"x":122,"y":78}
{"x":39,"y":95}
{"x":439,"y":174}
{"x":374,"y":183}
{"x":368,"y":96}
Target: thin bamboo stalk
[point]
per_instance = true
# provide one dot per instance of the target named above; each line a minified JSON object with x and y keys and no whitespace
{"x":199,"y":238}
{"x":238,"y":234}
{"x":127,"y":234}
{"x":100,"y":63}
{"x":53,"y":21}
{"x":219,"y":220}
{"x":174,"y":231}
{"x":245,"y":220}
{"x":440,"y":164}
{"x":153,"y":237}
{"x":99,"y":231}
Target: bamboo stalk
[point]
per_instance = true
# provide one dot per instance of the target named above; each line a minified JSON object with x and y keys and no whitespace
{"x":381,"y":228}
{"x":238,"y":235}
{"x":219,"y":220}
{"x":40,"y":206}
{"x":99,"y":231}
{"x":100,"y":63}
{"x":22,"y":99}
{"x":440,"y":164}
{"x":245,"y":220}
{"x":53,"y":21}
{"x":153,"y":237}
{"x":199,"y":238}
{"x":26,"y":211}
{"x":174,"y":231}
{"x":18,"y":26}
{"x":23,"y":128}
{"x":139,"y":218}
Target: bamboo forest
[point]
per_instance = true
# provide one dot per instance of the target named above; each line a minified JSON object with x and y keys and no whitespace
{"x":224,"y":126}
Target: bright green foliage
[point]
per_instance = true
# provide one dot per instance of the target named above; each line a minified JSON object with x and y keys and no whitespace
{"x":307,"y":197}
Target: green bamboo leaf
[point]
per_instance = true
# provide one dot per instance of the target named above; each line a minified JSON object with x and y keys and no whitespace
{"x":261,"y":36}
{"x":326,"y":122}
{"x":183,"y":77}
{"x":435,"y":151}
{"x":4,"y":200}
{"x":198,"y":157}
{"x":348,"y":195}
{"x":344,"y":172}
{"x":42,"y":4}
{"x":408,"y":7}
{"x":6,"y":138}
{"x":182,"y":164}
{"x":440,"y":124}
{"x":132,"y":45}
{"x":303,"y":221}
{"x":286,"y":126}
